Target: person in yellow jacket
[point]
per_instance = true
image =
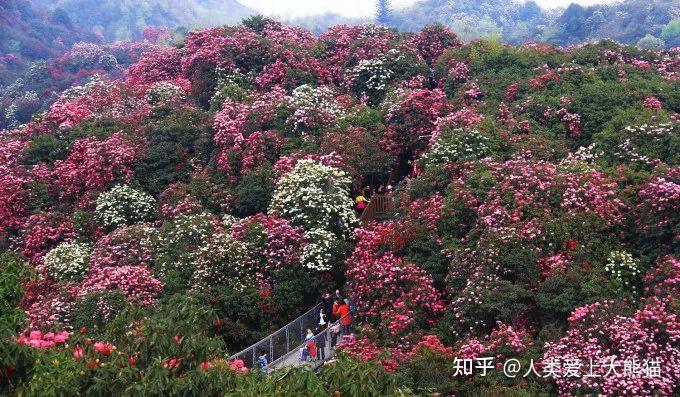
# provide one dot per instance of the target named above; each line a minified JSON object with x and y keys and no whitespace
{"x":360,"y":203}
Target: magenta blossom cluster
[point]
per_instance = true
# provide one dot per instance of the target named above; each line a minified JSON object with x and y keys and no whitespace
{"x":36,"y":338}
{"x":136,"y":282}
{"x":651,"y":333}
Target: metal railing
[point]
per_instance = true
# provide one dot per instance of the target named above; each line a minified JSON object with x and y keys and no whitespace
{"x":280,"y":343}
{"x":327,"y":340}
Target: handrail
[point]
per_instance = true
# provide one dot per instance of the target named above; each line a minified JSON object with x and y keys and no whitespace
{"x":268,"y":339}
{"x":324,"y":332}
{"x":378,"y":206}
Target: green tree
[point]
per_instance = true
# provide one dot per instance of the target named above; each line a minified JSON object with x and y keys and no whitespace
{"x":383,"y":12}
{"x":671,"y":33}
{"x":650,"y":42}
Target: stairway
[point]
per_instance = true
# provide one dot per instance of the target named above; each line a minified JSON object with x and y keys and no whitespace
{"x":282,"y":342}
{"x":283,"y":346}
{"x":377,"y":209}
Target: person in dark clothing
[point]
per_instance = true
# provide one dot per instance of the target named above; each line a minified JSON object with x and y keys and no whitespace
{"x":327,"y":304}
{"x":321,"y":343}
{"x":431,"y":80}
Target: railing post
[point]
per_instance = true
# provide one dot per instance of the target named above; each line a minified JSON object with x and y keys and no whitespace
{"x":254,"y":359}
{"x":287,"y":341}
{"x":271,"y":348}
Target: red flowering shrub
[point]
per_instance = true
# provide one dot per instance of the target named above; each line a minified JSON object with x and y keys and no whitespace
{"x":95,"y":164}
{"x":155,"y":65}
{"x":391,"y":295}
{"x":41,"y":340}
{"x":14,"y":197}
{"x":125,"y":246}
{"x":412,"y":118}
{"x":43,"y":232}
{"x":660,"y":201}
{"x":433,"y":40}
{"x":136,"y":282}
{"x":624,"y":351}
{"x":274,"y":242}
{"x":663,"y":279}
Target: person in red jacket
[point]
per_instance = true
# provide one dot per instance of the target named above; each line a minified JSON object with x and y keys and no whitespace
{"x":341,"y":310}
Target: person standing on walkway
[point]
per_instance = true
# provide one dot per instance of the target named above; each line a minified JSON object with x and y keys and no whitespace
{"x":310,"y":343}
{"x":322,"y":317}
{"x":333,"y":332}
{"x":262,"y":362}
{"x":360,"y":203}
{"x":321,"y":342}
{"x":341,"y":310}
{"x":327,"y":304}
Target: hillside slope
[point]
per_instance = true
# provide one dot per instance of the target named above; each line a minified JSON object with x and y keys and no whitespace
{"x":153,"y":224}
{"x":30,"y":33}
{"x":125,"y":19}
{"x":627,"y":22}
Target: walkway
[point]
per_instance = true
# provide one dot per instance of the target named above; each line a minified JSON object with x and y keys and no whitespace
{"x":283,"y":346}
{"x":283,"y":341}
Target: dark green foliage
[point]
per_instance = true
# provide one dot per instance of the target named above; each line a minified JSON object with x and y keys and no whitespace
{"x":15,"y":360}
{"x":255,"y":22}
{"x":174,"y":140}
{"x":46,"y":147}
{"x":13,"y":271}
{"x":182,"y":315}
{"x":428,"y":255}
{"x":358,"y":378}
{"x":296,"y":288}
{"x":559,"y":295}
{"x":428,"y":372}
{"x":253,"y":191}
{"x":246,"y":316}
{"x":94,"y":311}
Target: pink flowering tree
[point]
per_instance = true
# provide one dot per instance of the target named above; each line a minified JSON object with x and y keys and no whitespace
{"x":272,"y":241}
{"x":136,"y":282}
{"x":412,"y":120}
{"x":433,"y":40}
{"x":624,"y":350}
{"x":95,"y":164}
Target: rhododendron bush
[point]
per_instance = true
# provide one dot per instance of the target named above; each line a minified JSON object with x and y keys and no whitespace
{"x":193,"y":199}
{"x":124,"y":205}
{"x":315,"y":196}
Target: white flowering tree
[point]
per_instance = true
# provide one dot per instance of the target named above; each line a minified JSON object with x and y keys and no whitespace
{"x":68,"y":261}
{"x":455,"y":145}
{"x":623,"y":267}
{"x":182,"y":237}
{"x":124,"y":205}
{"x":319,"y":251}
{"x":223,"y":260}
{"x":370,"y":78}
{"x":314,"y":108}
{"x":165,"y":93}
{"x":315,"y":196}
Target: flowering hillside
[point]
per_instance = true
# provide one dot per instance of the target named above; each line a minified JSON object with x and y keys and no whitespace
{"x":153,"y":224}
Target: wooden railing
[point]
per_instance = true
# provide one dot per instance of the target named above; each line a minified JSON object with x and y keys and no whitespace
{"x":376,"y":208}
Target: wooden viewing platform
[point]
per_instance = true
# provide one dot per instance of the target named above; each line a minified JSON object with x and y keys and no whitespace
{"x":377,"y":208}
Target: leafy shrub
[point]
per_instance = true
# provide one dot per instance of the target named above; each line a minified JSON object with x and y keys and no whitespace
{"x":254,"y":191}
{"x":315,"y":196}
{"x":94,"y":311}
{"x":68,"y":261}
{"x":223,"y":260}
{"x":124,"y":205}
